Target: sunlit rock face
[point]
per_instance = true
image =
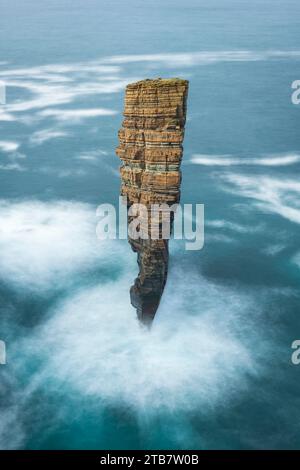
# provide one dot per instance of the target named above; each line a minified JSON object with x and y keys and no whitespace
{"x":150,"y":147}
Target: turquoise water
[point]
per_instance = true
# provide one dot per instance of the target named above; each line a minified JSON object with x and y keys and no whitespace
{"x":215,"y":371}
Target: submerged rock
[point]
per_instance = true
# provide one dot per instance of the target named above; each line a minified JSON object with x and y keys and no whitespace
{"x":150,"y":147}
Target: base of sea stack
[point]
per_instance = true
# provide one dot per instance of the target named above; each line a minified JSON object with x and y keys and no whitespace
{"x":148,"y":287}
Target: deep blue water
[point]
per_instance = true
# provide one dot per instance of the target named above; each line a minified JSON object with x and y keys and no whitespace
{"x":215,"y":371}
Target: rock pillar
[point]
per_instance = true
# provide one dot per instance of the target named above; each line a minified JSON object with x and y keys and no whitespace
{"x":150,"y":147}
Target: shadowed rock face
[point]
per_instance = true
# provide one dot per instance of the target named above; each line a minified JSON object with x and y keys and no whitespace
{"x":150,"y":147}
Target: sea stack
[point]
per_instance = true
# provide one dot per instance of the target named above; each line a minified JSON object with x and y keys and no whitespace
{"x":150,"y":147}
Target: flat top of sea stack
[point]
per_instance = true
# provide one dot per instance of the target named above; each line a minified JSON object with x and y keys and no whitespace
{"x":158,"y":82}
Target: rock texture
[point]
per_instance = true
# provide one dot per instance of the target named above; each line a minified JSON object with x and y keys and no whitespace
{"x":150,"y":147}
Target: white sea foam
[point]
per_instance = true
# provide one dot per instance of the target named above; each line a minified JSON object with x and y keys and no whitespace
{"x":270,"y":194}
{"x":233,"y":226}
{"x":11,"y":431}
{"x":7,"y":146}
{"x":228,"y":160}
{"x":92,"y":155}
{"x":4,"y":116}
{"x":274,"y":249}
{"x":61,"y":84}
{"x":198,"y":355}
{"x":44,"y":245}
{"x":76,"y":115}
{"x":39,"y":137}
{"x":44,"y":87}
{"x":59,"y":70}
{"x":12,"y":167}
{"x":189,"y":59}
{"x":172,"y":366}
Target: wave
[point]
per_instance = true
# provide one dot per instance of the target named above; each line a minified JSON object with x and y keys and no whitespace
{"x":189,"y":59}
{"x":228,"y":160}
{"x":90,"y":343}
{"x":7,"y":146}
{"x":270,"y":194}
{"x":76,"y":114}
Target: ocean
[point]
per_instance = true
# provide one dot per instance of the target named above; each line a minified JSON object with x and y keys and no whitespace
{"x":215,"y":371}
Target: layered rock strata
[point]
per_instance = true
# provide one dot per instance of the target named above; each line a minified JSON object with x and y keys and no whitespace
{"x":150,"y":147}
